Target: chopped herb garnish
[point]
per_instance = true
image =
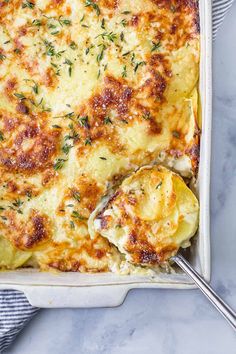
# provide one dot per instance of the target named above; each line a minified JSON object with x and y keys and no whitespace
{"x":36,"y":88}
{"x":76,"y":196}
{"x":101,"y":54}
{"x":125,"y":54}
{"x":137,"y":65}
{"x":122,"y":36}
{"x":20,"y":96}
{"x":107,"y":120}
{"x":65,"y":22}
{"x":111,"y":36}
{"x":59,"y":164}
{"x":124,"y":72}
{"x":28,"y":4}
{"x":88,"y":141}
{"x":155,"y":46}
{"x":77,"y":215}
{"x":103,"y":24}
{"x":74,"y":134}
{"x":72,"y":224}
{"x":37,"y":23}
{"x":87,"y":50}
{"x":73,"y":45}
{"x":29,"y":194}
{"x":2,"y":57}
{"x":51,"y":26}
{"x":126,"y":12}
{"x":68,"y":137}
{"x":56,"y":126}
{"x":102,"y":158}
{"x":124,"y":22}
{"x":50,"y":50}
{"x":146,"y":115}
{"x":55,"y":33}
{"x":159,"y":185}
{"x":1,"y":136}
{"x":17,"y":50}
{"x":82,"y":18}
{"x":57,"y":71}
{"x":176,"y":134}
{"x":69,"y":115}
{"x":93,"y":5}
{"x":66,"y":148}
{"x":37,"y":104}
{"x":68,"y":62}
{"x":17,"y":203}
{"x":6,"y":42}
{"x":83,"y":121}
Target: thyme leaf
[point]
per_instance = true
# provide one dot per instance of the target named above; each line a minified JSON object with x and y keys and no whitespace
{"x":91,"y":3}
{"x":59,"y":164}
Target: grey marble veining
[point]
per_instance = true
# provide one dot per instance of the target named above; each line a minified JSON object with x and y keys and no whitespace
{"x":166,"y":321}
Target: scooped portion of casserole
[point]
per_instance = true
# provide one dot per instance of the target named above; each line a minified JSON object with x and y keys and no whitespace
{"x":91,"y":90}
{"x":151,"y":215}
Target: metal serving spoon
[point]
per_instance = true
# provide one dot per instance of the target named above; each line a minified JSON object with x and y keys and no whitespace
{"x":221,"y":306}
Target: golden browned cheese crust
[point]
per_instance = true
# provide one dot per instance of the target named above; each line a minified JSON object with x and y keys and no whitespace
{"x":152,"y":214}
{"x":90,"y":90}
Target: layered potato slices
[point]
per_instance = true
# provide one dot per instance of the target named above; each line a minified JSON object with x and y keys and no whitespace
{"x":92,"y":90}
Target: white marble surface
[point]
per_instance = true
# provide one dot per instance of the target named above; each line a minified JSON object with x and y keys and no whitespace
{"x":166,"y":321}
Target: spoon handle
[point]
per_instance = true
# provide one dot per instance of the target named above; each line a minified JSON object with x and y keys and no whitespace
{"x":221,"y":306}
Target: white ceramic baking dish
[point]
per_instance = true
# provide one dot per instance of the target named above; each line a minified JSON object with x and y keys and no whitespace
{"x":95,"y":290}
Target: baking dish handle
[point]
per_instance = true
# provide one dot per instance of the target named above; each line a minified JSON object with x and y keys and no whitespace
{"x":84,"y":296}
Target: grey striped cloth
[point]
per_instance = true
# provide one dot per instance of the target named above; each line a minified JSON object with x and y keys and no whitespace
{"x":219,"y":10}
{"x":15,"y":310}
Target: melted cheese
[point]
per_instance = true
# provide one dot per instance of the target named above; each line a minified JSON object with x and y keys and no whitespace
{"x":150,"y":216}
{"x":90,"y":91}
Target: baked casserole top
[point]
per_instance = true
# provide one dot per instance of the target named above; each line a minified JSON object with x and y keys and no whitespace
{"x":90,"y":92}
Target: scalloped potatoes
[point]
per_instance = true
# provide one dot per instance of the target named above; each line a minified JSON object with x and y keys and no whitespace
{"x":151,"y":215}
{"x":90,"y":91}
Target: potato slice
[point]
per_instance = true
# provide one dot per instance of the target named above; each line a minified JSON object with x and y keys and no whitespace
{"x":10,"y":257}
